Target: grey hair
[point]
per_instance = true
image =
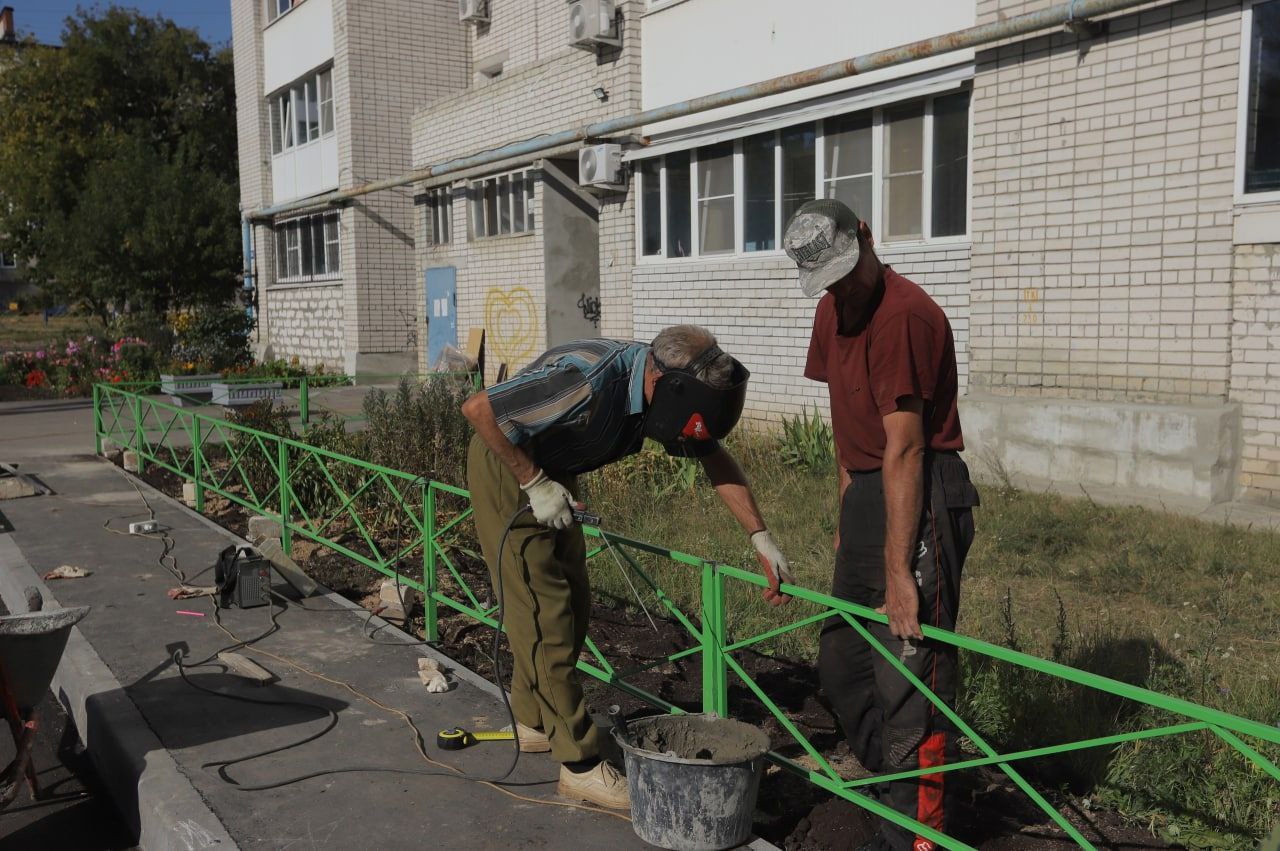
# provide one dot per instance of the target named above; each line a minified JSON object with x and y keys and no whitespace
{"x":680,"y":345}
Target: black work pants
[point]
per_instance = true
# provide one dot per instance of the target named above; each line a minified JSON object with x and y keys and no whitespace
{"x":891,"y":726}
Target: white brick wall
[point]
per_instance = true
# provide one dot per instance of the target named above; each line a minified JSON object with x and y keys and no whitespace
{"x":1102,"y":208}
{"x":756,"y":310}
{"x":307,"y":322}
{"x":1255,"y":367}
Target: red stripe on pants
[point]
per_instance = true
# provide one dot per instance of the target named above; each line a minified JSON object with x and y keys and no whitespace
{"x":929,"y":793}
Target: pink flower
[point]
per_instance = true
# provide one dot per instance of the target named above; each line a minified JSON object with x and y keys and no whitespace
{"x":40,"y":355}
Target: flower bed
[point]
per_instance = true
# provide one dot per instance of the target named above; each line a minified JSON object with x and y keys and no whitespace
{"x":70,"y":367}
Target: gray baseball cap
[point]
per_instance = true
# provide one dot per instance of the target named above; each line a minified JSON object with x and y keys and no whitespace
{"x":822,"y":238}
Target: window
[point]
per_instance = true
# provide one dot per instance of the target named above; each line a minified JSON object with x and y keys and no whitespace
{"x":8,"y":260}
{"x":903,"y":168}
{"x":651,"y":207}
{"x":715,"y":199}
{"x":276,"y":8}
{"x":302,"y":113}
{"x":679,"y":240}
{"x":1260,"y":98}
{"x":502,"y":205}
{"x":439,"y":216}
{"x":846,"y":161}
{"x":308,"y":249}
{"x":903,"y":174}
{"x":760,"y":175}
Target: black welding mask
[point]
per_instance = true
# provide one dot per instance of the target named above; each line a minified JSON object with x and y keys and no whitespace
{"x":685,"y":410}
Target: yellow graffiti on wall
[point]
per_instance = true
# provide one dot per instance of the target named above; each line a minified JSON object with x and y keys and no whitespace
{"x":510,"y":320}
{"x":1030,"y":314}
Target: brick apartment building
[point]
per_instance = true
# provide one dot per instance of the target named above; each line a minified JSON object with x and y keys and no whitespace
{"x":324,"y":93}
{"x":1097,"y":209}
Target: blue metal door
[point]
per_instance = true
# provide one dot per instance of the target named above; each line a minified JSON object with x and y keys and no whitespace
{"x":442,"y":311}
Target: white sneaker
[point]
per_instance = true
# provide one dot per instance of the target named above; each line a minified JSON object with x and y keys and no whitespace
{"x":602,"y":785}
{"x":532,"y":740}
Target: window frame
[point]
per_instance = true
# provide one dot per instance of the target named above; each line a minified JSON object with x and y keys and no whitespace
{"x":1242,"y":108}
{"x":506,"y":185}
{"x":8,"y":260}
{"x":289,"y":244}
{"x":286,"y":118}
{"x":879,"y":168}
{"x":273,"y":9}
{"x":438,"y":228}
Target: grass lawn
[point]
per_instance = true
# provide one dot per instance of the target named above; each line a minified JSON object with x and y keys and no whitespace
{"x":29,"y":332}
{"x":1176,"y":605}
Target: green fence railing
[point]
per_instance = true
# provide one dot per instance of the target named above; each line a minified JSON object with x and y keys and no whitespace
{"x":351,"y":506}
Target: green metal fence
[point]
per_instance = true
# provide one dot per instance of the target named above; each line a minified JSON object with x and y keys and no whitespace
{"x":344,"y":503}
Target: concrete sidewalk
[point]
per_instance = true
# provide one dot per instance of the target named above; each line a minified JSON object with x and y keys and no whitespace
{"x":152,"y":735}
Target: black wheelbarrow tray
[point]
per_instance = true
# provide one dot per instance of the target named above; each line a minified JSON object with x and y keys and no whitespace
{"x":31,"y":646}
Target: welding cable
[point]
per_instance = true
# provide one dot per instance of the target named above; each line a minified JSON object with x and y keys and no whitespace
{"x":418,"y":741}
{"x":444,"y":770}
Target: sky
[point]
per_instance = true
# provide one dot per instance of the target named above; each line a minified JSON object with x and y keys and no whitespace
{"x":43,"y":18}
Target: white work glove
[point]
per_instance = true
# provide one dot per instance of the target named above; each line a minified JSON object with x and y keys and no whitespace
{"x":550,"y":501}
{"x":775,"y":567}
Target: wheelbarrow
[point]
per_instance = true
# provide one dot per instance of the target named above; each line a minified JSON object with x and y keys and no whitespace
{"x":31,"y":646}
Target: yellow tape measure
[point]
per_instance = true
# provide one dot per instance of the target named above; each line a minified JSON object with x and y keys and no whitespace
{"x":458,"y":738}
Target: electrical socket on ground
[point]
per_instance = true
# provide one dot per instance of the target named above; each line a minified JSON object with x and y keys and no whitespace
{"x":143,"y":527}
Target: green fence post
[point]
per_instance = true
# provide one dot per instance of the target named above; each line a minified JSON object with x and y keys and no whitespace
{"x":97,"y":419}
{"x":286,"y":539}
{"x":429,"y":605}
{"x":715,"y":695}
{"x":197,"y":460}
{"x":304,"y":406}
{"x":137,"y":428}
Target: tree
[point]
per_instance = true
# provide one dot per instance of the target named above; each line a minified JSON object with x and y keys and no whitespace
{"x":118,"y":171}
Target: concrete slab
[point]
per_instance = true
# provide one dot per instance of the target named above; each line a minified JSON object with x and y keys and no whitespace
{"x":129,"y":638}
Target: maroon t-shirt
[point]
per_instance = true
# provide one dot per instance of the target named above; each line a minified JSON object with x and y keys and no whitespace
{"x":906,"y":349}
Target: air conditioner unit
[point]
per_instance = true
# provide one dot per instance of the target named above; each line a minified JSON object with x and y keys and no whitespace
{"x":473,"y":11}
{"x":601,"y":166}
{"x":593,"y":23}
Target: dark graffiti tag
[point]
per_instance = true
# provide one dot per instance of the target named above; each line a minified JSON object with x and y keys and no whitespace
{"x":590,"y":306}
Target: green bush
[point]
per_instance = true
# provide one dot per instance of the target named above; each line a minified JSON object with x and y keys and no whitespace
{"x":214,"y":337}
{"x":257,"y":459}
{"x":808,"y":442}
{"x":420,"y":428}
{"x":151,"y":329}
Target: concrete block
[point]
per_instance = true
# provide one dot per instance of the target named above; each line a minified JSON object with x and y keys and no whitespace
{"x":1176,"y":453}
{"x":263,"y":527}
{"x":12,"y":487}
{"x":131,"y":461}
{"x":396,"y":605}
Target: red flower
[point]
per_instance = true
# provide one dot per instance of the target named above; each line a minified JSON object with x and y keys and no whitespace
{"x":36,"y":378}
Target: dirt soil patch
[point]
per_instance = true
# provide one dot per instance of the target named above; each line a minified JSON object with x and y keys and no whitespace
{"x":791,"y":812}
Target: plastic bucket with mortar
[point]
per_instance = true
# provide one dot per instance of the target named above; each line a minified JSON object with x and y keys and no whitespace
{"x":693,"y":779}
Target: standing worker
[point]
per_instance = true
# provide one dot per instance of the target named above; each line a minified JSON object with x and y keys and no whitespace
{"x":576,"y":408}
{"x":885,"y":350}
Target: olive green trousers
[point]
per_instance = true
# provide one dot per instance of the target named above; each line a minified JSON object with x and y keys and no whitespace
{"x":546,"y":599}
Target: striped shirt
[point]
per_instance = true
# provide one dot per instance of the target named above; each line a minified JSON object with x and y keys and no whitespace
{"x":577,"y":407}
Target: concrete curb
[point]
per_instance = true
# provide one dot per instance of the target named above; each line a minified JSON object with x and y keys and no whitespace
{"x":156,"y":800}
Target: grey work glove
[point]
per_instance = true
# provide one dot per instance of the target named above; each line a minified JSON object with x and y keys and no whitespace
{"x":550,"y":501}
{"x":775,"y":567}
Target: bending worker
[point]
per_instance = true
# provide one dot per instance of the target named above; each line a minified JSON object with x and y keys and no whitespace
{"x":574,"y":409}
{"x":886,"y":353}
